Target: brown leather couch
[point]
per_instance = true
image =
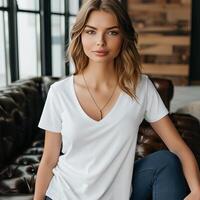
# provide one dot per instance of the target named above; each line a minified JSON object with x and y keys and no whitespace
{"x":21,"y":141}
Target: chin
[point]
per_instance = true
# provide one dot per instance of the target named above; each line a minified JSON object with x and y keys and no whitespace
{"x":101,"y":59}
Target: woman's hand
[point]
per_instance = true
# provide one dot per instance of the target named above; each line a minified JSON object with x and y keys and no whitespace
{"x":194,"y":195}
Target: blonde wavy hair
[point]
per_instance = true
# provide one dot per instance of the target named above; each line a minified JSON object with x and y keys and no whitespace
{"x":127,"y":64}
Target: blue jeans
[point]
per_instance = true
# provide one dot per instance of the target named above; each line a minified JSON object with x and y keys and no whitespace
{"x":159,"y":176}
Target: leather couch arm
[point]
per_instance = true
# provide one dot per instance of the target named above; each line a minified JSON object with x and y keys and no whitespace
{"x":188,"y":127}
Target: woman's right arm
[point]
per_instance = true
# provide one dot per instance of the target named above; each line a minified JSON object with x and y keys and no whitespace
{"x":48,"y":161}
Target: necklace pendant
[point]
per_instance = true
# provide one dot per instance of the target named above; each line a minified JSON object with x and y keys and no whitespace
{"x":101,"y":114}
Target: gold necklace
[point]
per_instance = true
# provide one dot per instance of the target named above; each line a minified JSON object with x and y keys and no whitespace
{"x":100,"y":109}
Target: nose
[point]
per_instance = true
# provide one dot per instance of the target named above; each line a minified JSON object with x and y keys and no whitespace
{"x":101,"y":40}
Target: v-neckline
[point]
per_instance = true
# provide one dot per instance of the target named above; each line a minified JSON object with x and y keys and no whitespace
{"x":84,"y":114}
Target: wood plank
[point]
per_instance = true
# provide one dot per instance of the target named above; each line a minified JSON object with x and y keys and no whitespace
{"x":157,"y":50}
{"x":156,"y":7}
{"x":161,"y":29}
{"x":163,"y":69}
{"x":160,"y":39}
{"x":186,"y":2}
{"x":161,"y":1}
{"x":174,"y":15}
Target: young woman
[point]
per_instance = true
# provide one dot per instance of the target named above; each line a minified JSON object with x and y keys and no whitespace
{"x":93,"y":117}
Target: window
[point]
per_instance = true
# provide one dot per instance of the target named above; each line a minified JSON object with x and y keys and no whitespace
{"x":37,"y":29}
{"x":73,"y":9}
{"x":58,"y":37}
{"x":29,"y":45}
{"x":58,"y":45}
{"x":58,"y":6}
{"x":3,"y":3}
{"x":4,"y":47}
{"x":28,"y":20}
{"x":28,"y":5}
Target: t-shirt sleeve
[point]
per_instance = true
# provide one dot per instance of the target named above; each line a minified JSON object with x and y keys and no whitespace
{"x":50,"y":118}
{"x":155,"y":108}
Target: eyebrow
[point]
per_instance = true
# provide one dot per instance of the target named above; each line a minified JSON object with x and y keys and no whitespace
{"x":106,"y":28}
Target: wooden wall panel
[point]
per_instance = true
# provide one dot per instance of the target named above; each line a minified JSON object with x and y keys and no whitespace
{"x":164,"y":36}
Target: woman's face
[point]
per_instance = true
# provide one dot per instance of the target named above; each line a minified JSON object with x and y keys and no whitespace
{"x":101,"y":38}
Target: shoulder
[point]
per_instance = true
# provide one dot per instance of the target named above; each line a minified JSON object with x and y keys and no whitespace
{"x":144,"y":85}
{"x":143,"y":81}
{"x":144,"y":77}
{"x":62,"y":84}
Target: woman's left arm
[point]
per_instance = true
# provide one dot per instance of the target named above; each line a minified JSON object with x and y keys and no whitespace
{"x":170,"y":136}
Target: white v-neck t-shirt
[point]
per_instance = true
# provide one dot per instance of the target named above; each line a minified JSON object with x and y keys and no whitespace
{"x":98,"y":156}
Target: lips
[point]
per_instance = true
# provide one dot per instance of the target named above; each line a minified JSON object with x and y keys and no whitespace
{"x":101,"y":52}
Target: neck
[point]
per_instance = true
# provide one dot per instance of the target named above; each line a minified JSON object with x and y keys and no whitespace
{"x":99,"y":75}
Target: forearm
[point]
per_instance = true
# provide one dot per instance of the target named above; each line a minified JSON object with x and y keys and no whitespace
{"x":169,"y":134}
{"x":190,"y":167}
{"x":44,"y":176}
